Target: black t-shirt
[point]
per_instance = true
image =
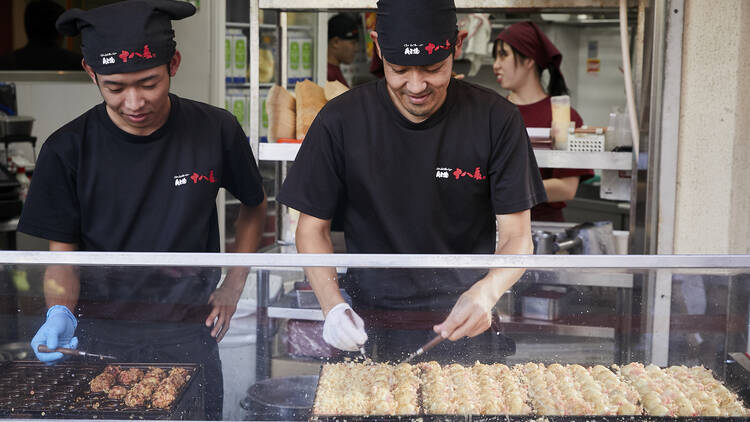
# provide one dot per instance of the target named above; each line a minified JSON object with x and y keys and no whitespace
{"x":107,"y":190}
{"x":430,"y":187}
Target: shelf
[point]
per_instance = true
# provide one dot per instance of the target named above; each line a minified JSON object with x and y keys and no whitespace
{"x":563,"y":326}
{"x":544,"y":158}
{"x":591,"y":278}
{"x":584,"y":160}
{"x":243,"y":25}
{"x":285,"y":307}
{"x":460,"y":4}
{"x":246,"y":85}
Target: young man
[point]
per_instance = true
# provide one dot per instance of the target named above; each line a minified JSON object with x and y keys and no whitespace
{"x":343,"y":41}
{"x":140,"y":172}
{"x":422,"y":163}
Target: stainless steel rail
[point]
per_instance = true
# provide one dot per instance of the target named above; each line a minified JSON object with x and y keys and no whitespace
{"x":648,"y":262}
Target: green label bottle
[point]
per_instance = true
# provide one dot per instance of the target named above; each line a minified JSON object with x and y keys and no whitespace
{"x":239,"y":110}
{"x":228,"y":52}
{"x":240,"y":54}
{"x":294,"y":55}
{"x":263,"y":115}
{"x":307,"y":54}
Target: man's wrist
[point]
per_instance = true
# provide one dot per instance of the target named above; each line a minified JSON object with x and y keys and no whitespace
{"x":61,"y":309}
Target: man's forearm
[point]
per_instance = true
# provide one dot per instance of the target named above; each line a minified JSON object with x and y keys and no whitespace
{"x":61,"y":286}
{"x":499,"y":280}
{"x":248,"y":233}
{"x":313,"y":238}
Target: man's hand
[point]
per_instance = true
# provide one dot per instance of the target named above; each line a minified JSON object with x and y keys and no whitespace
{"x":344,"y":330}
{"x":57,"y":331}
{"x":224,"y":300}
{"x":470,"y":316}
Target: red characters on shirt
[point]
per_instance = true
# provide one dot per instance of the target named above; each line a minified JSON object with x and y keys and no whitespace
{"x":198,"y":177}
{"x":432,"y":47}
{"x":147,"y":54}
{"x":477,"y":175}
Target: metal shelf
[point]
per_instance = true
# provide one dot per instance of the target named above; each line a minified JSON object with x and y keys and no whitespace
{"x":580,"y":278}
{"x":460,"y":4}
{"x":285,"y":308}
{"x":559,"y":327}
{"x":544,"y":158}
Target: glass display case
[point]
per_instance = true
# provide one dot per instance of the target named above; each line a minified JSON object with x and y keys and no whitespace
{"x":150,"y":310}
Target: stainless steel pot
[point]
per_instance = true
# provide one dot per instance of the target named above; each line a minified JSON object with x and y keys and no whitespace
{"x":286,"y":398}
{"x":16,"y":351}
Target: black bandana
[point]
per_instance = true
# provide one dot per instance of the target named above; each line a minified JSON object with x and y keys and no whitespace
{"x":127,"y":36}
{"x":416,"y":32}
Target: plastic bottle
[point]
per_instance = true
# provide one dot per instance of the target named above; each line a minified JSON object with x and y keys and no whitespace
{"x":24,"y":180}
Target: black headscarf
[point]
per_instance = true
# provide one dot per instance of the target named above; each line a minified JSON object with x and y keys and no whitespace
{"x":127,"y":36}
{"x":416,"y":32}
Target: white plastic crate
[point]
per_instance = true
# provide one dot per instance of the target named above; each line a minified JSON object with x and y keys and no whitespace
{"x":586,"y":142}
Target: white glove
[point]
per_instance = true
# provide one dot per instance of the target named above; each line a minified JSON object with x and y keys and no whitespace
{"x":341,"y":332}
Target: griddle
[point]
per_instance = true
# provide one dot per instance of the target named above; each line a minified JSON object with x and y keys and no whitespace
{"x":31,"y":389}
{"x":738,"y":381}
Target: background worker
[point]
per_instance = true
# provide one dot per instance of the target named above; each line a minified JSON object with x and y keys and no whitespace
{"x":522,"y":53}
{"x":43,"y":51}
{"x":421,"y":163}
{"x":343,"y":42}
{"x":140,"y":172}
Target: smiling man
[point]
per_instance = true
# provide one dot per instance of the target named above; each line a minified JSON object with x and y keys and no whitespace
{"x":420,"y":163}
{"x":140,"y":173}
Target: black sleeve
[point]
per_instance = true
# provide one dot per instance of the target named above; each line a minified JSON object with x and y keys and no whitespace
{"x":51,"y":210}
{"x":315,"y":181}
{"x":241,"y":175}
{"x":515,"y":181}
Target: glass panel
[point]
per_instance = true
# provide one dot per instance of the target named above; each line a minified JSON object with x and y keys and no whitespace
{"x":150,"y":316}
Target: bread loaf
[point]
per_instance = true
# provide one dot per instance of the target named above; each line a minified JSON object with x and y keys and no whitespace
{"x":310,"y":99}
{"x":281,"y":109}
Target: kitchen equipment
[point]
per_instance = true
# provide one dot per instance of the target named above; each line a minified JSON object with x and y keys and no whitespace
{"x":35,"y":390}
{"x":16,"y":351}
{"x":429,"y":345}
{"x":286,"y":398}
{"x":74,"y":352}
{"x":587,"y":139}
{"x":15,"y":125}
{"x":544,"y":303}
{"x":742,"y":379}
{"x":586,"y":238}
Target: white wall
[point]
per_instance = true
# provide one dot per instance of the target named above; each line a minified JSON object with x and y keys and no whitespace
{"x":193,"y":37}
{"x":597,"y":93}
{"x":52,"y":104}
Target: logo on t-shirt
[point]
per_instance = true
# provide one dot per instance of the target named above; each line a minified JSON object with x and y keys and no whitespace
{"x":195,"y":177}
{"x":457,"y":173}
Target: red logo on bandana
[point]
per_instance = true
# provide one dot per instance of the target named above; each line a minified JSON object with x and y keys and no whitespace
{"x":198,"y":177}
{"x":477,"y":175}
{"x":432,"y":47}
{"x":146,"y":54}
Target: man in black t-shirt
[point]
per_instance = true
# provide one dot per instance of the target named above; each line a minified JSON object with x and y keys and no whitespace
{"x":419,"y":163}
{"x":140,"y":172}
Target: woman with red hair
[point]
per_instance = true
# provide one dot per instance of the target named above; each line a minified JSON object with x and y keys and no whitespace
{"x":522,"y":53}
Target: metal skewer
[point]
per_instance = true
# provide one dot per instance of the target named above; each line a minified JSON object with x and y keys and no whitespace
{"x":432,"y":343}
{"x":73,"y":352}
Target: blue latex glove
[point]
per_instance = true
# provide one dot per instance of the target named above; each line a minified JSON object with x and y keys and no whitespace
{"x":56,"y":332}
